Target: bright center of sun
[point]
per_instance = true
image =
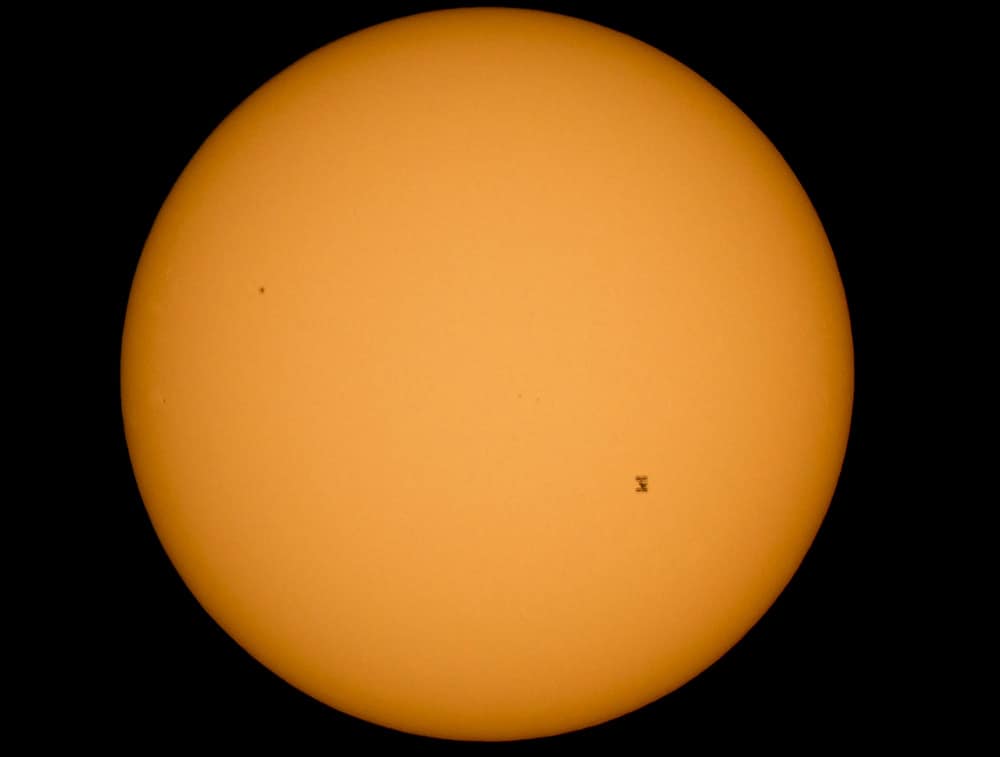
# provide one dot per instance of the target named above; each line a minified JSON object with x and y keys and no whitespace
{"x":487,"y":374}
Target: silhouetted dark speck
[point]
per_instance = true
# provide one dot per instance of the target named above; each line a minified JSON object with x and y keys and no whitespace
{"x":262,"y":290}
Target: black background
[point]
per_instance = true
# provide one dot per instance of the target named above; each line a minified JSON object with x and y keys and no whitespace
{"x":824,"y":665}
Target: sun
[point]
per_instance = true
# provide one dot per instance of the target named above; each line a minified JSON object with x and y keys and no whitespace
{"x":487,"y":374}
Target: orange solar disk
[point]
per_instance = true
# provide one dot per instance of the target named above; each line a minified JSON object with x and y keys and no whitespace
{"x":487,"y":374}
